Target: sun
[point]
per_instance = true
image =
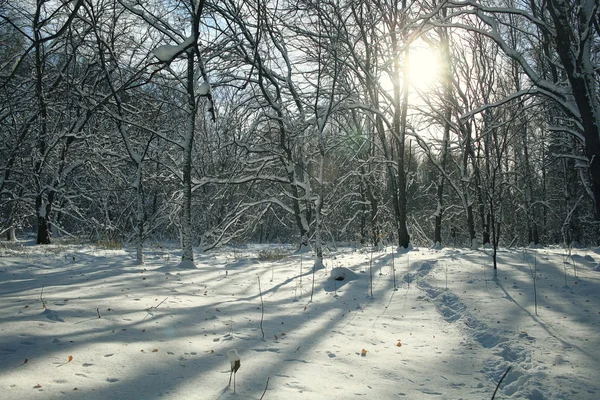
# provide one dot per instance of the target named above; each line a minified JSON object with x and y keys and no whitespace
{"x":424,"y":68}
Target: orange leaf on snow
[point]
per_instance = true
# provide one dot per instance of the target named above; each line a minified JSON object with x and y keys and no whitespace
{"x":399,"y":344}
{"x":154,"y":350}
{"x":37,"y":386}
{"x":363,"y":353}
{"x":70,"y":358}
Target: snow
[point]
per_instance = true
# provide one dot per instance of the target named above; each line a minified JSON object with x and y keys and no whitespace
{"x":204,"y":89}
{"x":233,"y":357}
{"x":186,"y":264}
{"x":81,"y":322}
{"x":168,"y":52}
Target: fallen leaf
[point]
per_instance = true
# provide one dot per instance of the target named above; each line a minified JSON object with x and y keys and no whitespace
{"x":26,"y":361}
{"x":154,"y":350}
{"x":142,"y":350}
{"x":75,"y":389}
{"x":276,"y":338}
{"x":363,"y":353}
{"x":70,"y":358}
{"x":37,"y":386}
{"x":27,"y":306}
{"x":399,"y":344}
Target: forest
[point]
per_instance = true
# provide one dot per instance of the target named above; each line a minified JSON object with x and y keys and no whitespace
{"x":467,"y":123}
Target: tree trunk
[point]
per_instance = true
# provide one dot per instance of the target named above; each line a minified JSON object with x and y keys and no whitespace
{"x":399,"y":124}
{"x":186,"y":212}
{"x":10,"y":234}
{"x":582,"y":77}
{"x":43,"y":224}
{"x":447,"y":82}
{"x":140,"y":218}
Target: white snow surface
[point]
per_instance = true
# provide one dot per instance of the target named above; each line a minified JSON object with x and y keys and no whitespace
{"x":81,"y":322}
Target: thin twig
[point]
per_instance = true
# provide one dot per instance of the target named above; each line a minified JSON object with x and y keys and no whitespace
{"x":98,"y":311}
{"x":394,"y":269}
{"x":266,"y":386}
{"x":262,"y":310}
{"x":501,"y":379}
{"x":158,"y":305}
{"x":161,"y":302}
{"x":371,"y":271}
{"x":43,"y":302}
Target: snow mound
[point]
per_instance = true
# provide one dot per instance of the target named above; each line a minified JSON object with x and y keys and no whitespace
{"x":436,"y":246}
{"x":304,"y":249}
{"x":319,"y":264}
{"x":342,"y":274}
{"x":186,"y":264}
{"x":403,"y":250}
{"x":580,"y":259}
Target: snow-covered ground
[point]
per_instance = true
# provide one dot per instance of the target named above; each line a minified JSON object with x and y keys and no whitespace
{"x":80,"y":322}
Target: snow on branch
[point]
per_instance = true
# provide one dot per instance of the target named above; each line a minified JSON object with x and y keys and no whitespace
{"x":167,"y":52}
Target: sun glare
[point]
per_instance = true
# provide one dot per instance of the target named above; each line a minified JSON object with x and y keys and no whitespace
{"x":424,"y":68}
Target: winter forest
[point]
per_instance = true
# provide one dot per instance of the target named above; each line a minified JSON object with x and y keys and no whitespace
{"x":312,"y":199}
{"x":424,"y":122}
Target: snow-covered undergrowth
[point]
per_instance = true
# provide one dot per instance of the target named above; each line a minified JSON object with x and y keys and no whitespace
{"x":80,"y":322}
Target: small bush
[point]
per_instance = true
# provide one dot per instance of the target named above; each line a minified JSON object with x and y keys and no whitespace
{"x":110,"y":244}
{"x":272,"y":254}
{"x":69,"y":241}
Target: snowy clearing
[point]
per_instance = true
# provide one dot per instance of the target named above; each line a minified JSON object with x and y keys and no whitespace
{"x":81,"y":322}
